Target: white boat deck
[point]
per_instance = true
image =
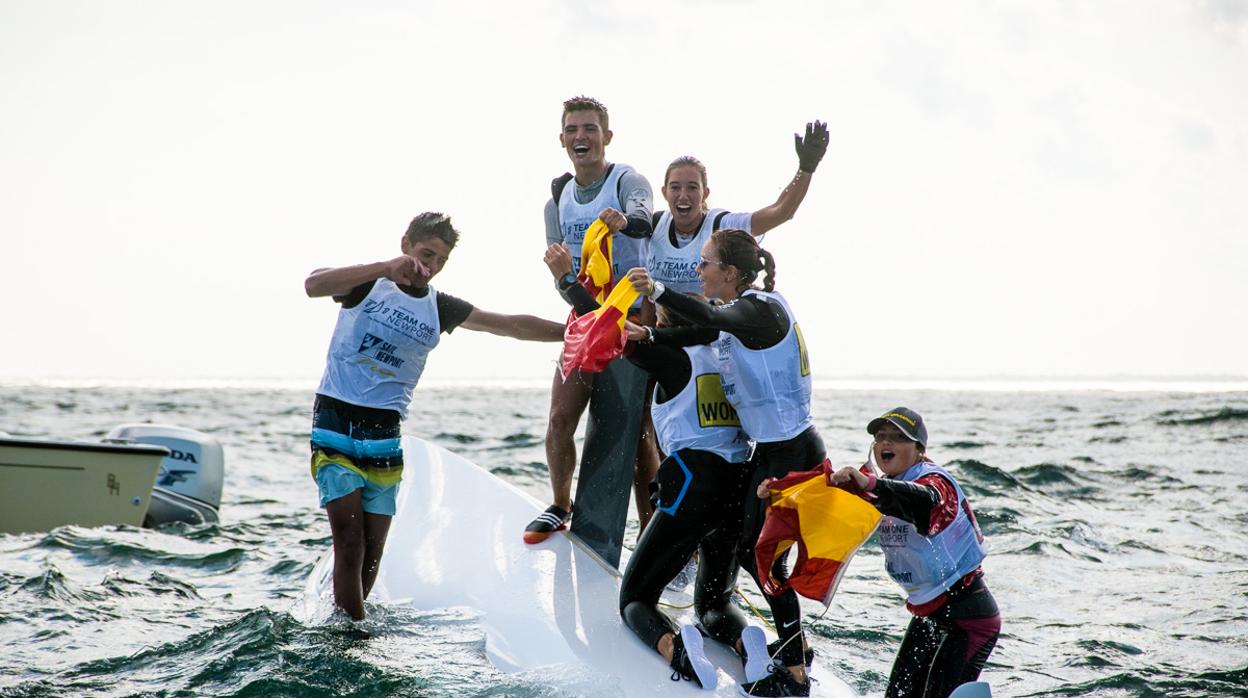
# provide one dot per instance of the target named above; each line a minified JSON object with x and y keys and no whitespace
{"x":456,"y":542}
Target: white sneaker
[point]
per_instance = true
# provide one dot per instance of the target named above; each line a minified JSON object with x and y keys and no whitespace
{"x":754,"y":641}
{"x":704,"y":671}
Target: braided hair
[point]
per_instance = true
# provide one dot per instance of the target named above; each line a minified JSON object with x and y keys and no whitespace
{"x":739,"y":249}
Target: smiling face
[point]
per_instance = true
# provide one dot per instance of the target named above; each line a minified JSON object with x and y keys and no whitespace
{"x":894,"y":451}
{"x":585,"y":140}
{"x":686,"y":197}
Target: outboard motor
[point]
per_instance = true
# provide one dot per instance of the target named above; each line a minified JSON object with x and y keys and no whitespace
{"x":188,"y":487}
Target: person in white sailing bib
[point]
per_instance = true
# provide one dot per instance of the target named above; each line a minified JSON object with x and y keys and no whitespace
{"x":686,"y":225}
{"x":622,"y":198}
{"x":389,"y":321}
{"x":765,"y":373}
{"x":701,"y":486}
{"x":933,"y":549}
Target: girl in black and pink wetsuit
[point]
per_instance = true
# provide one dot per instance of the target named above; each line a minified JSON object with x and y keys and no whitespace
{"x":933,"y":549}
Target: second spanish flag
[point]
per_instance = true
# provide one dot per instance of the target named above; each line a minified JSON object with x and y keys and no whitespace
{"x":826,"y":523}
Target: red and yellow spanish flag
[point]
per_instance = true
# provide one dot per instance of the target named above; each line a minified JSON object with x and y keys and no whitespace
{"x":596,"y":261}
{"x":592,"y":340}
{"x":825,"y":522}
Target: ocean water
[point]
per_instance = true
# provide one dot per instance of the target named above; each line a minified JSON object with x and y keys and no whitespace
{"x":1117,"y":523}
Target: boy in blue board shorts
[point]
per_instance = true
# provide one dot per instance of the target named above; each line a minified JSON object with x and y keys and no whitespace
{"x":390,"y":319}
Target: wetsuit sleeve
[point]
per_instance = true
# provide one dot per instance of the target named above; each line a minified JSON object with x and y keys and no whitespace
{"x":578,"y":297}
{"x":638,"y":201}
{"x":356,"y":295}
{"x":452,"y":311}
{"x":684,"y":336}
{"x":756,"y":322}
{"x":554,"y":236}
{"x":669,"y":366}
{"x":914,"y":502}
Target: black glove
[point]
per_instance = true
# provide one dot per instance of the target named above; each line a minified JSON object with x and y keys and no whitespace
{"x":810,"y":149}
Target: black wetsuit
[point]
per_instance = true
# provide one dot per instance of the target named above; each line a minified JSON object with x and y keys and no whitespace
{"x":708,"y":519}
{"x":758,"y":323}
{"x":704,"y":516}
{"x":948,"y":639}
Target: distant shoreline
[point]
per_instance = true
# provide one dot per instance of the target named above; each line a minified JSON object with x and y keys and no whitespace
{"x":1166,"y":384}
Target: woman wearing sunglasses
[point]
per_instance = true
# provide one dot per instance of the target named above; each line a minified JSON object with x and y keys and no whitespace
{"x":765,"y":373}
{"x":701,"y":482}
{"x":933,"y":549}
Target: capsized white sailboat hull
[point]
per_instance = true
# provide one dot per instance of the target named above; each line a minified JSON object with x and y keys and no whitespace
{"x":456,"y":542}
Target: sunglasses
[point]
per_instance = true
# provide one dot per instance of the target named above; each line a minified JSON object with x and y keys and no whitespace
{"x":704,"y":262}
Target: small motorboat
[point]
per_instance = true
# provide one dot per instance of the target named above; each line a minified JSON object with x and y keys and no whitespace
{"x":188,"y":486}
{"x":141,"y":475}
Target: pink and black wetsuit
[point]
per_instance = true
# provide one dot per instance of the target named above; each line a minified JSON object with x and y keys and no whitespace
{"x":955,"y":626}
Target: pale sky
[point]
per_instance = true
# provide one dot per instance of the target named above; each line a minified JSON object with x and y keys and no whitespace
{"x":1011,"y":189}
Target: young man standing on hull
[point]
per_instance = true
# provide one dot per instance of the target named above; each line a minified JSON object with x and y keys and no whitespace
{"x":389,"y":322}
{"x":622,"y":198}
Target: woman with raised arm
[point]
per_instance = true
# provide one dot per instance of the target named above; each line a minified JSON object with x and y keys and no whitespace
{"x":686,"y":225}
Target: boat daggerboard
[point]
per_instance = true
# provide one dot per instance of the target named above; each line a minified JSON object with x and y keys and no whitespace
{"x":456,"y":542}
{"x":604,"y":484}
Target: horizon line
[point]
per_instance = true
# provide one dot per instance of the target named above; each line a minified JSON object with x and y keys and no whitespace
{"x":987,"y":383}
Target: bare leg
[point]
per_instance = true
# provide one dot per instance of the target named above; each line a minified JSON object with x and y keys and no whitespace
{"x":346,"y":525}
{"x":568,"y":400}
{"x":665,"y":647}
{"x":376,"y":528}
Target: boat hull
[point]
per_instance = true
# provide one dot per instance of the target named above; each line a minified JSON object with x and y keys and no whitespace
{"x":456,"y":541}
{"x":46,"y":484}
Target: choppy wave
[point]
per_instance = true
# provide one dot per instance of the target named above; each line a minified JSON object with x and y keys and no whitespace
{"x":1115,"y":523}
{"x":1173,"y":418}
{"x":104,"y":549}
{"x":962,"y":444}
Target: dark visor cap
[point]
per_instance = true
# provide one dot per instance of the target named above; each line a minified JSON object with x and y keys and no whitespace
{"x":905,"y":419}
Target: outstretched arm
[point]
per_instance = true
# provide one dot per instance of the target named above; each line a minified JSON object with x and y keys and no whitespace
{"x":756,"y":322}
{"x":810,"y":150}
{"x":402,"y":270}
{"x":526,"y":327}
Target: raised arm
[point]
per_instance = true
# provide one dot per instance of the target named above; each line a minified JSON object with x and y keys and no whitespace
{"x":526,"y":327}
{"x":337,"y":281}
{"x":810,"y":150}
